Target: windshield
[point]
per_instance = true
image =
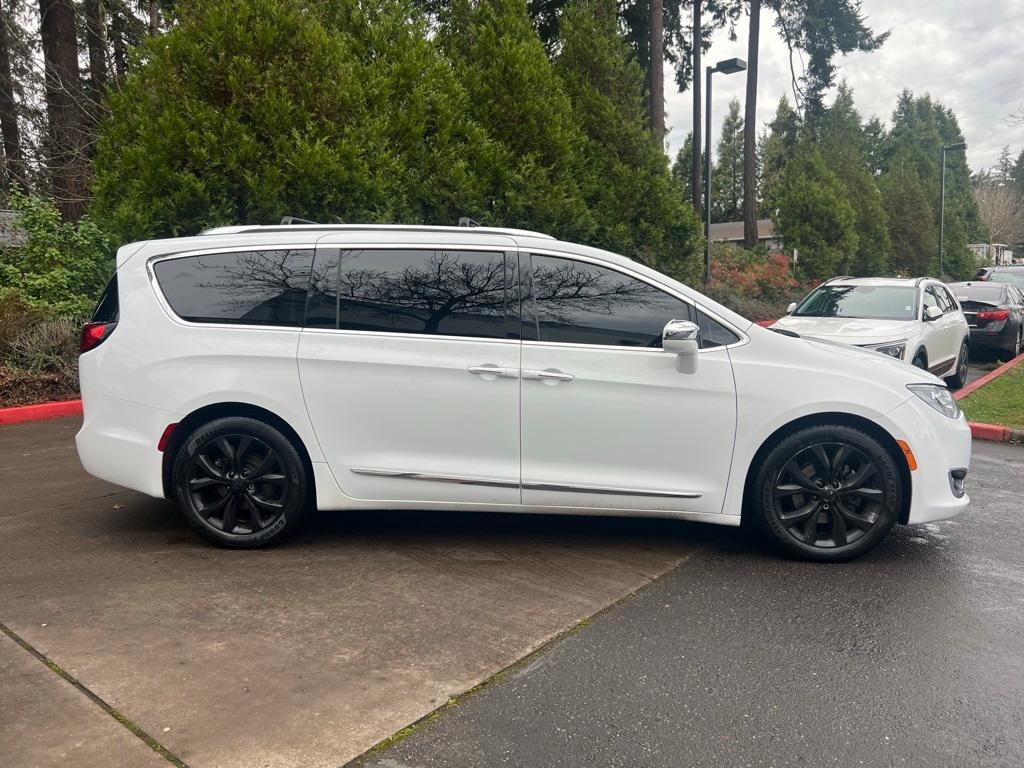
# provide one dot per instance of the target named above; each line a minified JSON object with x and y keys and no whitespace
{"x":1013,"y":278}
{"x":877,"y":302}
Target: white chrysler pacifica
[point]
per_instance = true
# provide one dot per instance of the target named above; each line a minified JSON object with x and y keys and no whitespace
{"x":251,"y":373}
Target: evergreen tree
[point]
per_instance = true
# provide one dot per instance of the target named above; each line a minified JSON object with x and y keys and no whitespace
{"x":224,"y":124}
{"x":727,"y":176}
{"x":777,"y":147}
{"x":842,"y":140}
{"x":531,"y":172}
{"x":813,"y":215}
{"x":912,"y":233}
{"x":636,"y":207}
{"x":681,"y":167}
{"x":920,"y":128}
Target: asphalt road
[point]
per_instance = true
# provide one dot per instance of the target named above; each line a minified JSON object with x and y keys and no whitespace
{"x":911,"y":656}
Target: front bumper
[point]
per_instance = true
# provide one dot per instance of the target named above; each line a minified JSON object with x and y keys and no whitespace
{"x":941,"y":445}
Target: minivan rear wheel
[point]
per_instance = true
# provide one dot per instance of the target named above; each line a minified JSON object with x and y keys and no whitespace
{"x":828,"y":493}
{"x":240,"y":482}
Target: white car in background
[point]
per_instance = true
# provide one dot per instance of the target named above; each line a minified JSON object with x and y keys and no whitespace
{"x":917,"y":320}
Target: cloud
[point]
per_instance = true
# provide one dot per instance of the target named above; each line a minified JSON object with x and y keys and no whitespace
{"x":967,"y":55}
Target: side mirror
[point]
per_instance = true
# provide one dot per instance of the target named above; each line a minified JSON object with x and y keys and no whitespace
{"x":932,"y":313}
{"x":681,"y":337}
{"x":791,"y":308}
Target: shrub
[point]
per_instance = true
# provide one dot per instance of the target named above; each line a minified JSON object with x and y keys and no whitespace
{"x":62,"y":267}
{"x":16,"y":312}
{"x":48,"y":346}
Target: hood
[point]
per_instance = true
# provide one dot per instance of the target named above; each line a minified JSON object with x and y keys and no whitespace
{"x":848,"y":330}
{"x":842,"y":359}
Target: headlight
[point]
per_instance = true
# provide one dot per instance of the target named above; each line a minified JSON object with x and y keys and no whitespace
{"x":893,"y":349}
{"x":938,"y":397}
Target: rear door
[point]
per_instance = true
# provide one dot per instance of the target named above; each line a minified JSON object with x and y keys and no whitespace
{"x":409,"y":364}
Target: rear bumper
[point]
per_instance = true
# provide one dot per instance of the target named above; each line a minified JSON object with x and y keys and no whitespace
{"x":118,"y":442}
{"x":1004,"y":338}
{"x":940,"y":445}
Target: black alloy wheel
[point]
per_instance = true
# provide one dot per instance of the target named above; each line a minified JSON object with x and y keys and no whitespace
{"x":239,"y":482}
{"x":829,"y":493}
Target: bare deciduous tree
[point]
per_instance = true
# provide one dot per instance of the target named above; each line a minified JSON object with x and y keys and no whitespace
{"x":1002,"y":212}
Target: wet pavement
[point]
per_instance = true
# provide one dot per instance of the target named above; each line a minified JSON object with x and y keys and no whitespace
{"x":912,"y":655}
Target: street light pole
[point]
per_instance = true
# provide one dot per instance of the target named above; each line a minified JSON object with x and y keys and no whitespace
{"x":942,"y":202}
{"x":726,"y":67}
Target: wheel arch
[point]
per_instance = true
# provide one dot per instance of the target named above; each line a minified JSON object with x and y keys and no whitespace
{"x":831,"y":418}
{"x":208,"y":413}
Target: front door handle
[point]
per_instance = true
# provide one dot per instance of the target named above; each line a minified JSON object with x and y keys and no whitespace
{"x":548,"y":375}
{"x":491,"y":372}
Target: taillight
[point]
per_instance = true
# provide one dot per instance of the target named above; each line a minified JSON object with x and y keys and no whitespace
{"x":994,"y":314}
{"x":94,"y":334}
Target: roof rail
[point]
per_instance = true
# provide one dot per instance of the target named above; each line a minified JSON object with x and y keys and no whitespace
{"x":253,"y":228}
{"x":285,"y":220}
{"x":922,"y":279}
{"x":838,"y":277}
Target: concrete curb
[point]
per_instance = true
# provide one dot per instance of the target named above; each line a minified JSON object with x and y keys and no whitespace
{"x":40,"y":412}
{"x":982,"y":381}
{"x":995,"y":432}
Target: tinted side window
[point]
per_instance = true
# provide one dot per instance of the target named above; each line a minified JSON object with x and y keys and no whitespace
{"x":246,"y":288}
{"x":108,"y":309}
{"x":930,"y":300}
{"x":452,"y":293}
{"x":944,"y":294}
{"x":583,"y":303}
{"x":713,"y":333}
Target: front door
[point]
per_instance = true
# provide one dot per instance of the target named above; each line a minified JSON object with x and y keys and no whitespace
{"x":409,"y":365}
{"x":609,"y":419}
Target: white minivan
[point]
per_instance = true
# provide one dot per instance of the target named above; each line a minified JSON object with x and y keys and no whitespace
{"x":253,"y":372}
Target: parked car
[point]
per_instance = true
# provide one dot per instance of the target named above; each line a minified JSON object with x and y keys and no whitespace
{"x":995,"y":314}
{"x":982,"y":273}
{"x":251,"y":372}
{"x":916,"y":320}
{"x":1009,"y":275}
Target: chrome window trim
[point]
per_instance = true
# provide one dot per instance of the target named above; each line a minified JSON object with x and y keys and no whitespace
{"x":741,"y":336}
{"x":527,"y":485}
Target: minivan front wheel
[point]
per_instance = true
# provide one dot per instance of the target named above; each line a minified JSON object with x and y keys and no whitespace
{"x":240,"y":482}
{"x":828,"y":493}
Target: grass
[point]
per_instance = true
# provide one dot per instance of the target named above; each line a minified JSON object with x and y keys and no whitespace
{"x":1001,"y":401}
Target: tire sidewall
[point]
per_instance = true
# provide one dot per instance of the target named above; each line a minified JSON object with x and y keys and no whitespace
{"x":293,"y":464}
{"x":788,"y":447}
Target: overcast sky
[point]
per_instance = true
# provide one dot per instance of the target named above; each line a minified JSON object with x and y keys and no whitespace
{"x":968,"y":54}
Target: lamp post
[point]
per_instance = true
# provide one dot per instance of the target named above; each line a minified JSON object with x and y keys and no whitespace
{"x":727,"y":67}
{"x":942,"y":201}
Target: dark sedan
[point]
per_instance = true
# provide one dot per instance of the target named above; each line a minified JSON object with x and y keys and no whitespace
{"x":995,"y":314}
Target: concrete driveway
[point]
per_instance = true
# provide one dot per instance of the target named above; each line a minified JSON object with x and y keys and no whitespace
{"x":302,"y":655}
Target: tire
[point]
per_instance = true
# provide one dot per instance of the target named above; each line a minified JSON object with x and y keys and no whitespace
{"x":959,"y":377}
{"x":217,"y":476}
{"x":824,"y":522}
{"x":1014,"y":351}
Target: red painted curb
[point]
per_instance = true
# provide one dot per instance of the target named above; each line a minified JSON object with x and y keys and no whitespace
{"x":995,"y":432}
{"x":40,"y":411}
{"x":978,"y":383}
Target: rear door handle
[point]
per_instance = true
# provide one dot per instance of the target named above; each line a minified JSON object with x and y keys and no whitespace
{"x":494,"y":371}
{"x":549,"y":375}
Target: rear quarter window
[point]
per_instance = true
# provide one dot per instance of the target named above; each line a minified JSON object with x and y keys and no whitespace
{"x":108,"y":308}
{"x":266,"y":287}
